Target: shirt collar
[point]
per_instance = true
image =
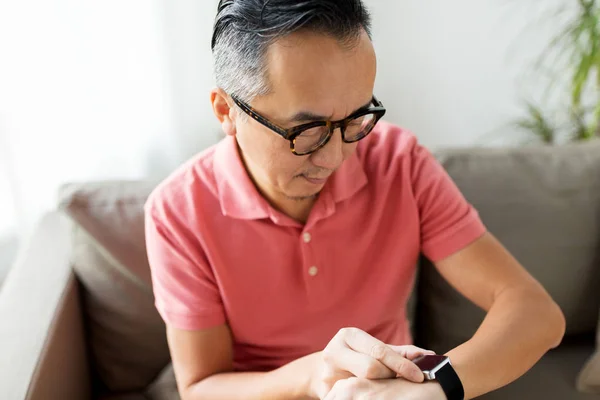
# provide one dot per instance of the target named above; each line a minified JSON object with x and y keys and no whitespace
{"x":347,"y":180}
{"x":239,"y":197}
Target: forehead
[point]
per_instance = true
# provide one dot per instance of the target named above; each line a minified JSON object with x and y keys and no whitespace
{"x":311,"y":67}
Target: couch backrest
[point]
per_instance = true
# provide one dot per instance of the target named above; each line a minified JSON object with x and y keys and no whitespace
{"x":126,"y":335}
{"x":543,"y":204}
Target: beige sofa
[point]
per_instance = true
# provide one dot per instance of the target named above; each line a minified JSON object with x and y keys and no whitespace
{"x":77,"y":316}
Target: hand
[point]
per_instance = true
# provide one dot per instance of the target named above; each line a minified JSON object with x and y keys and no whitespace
{"x":389,"y":389}
{"x":354,"y":353}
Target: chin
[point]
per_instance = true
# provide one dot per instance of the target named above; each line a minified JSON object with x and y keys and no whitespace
{"x":303,"y":198}
{"x":306,"y":195}
{"x":301,"y":189}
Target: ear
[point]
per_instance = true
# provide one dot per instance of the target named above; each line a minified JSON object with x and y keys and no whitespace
{"x":224,"y":111}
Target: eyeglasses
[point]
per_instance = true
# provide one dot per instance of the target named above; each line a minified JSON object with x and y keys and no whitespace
{"x":308,"y":138}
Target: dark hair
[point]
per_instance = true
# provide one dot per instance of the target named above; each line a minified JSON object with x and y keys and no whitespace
{"x":244,"y":29}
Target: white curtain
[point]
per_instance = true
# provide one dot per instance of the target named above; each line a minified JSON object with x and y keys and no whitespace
{"x":97,"y":90}
{"x":8,"y":216}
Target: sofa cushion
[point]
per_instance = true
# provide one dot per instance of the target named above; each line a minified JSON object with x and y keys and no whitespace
{"x":124,"y":396}
{"x":552,"y":378}
{"x":543,"y":204}
{"x":588,"y":380}
{"x":165,"y":386}
{"x":127,"y":337}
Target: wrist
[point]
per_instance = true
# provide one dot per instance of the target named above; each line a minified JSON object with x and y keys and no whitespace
{"x":309,"y":376}
{"x":440,"y":371}
{"x":295,"y":378}
{"x":434,"y":390}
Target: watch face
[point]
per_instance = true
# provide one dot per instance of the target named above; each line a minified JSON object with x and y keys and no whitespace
{"x":427,"y":363}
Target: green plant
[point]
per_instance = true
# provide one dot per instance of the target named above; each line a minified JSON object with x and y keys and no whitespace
{"x":578,"y":44}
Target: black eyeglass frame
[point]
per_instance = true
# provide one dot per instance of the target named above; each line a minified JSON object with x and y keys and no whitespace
{"x":292,"y":133}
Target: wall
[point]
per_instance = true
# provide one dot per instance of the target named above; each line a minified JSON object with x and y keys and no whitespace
{"x":119,"y":89}
{"x":188,"y":30}
{"x":451,"y":71}
{"x":454,"y":71}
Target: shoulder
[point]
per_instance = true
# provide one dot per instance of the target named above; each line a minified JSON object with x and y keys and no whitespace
{"x":390,"y":150}
{"x":179,"y":195}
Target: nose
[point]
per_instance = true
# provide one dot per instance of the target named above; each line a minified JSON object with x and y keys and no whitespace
{"x":331,"y":155}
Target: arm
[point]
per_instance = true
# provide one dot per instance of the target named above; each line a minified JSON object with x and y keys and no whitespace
{"x":200,"y":342}
{"x":203,"y":367}
{"x":203,"y":364}
{"x":522,"y":322}
{"x":189,"y":300}
{"x":521,"y":325}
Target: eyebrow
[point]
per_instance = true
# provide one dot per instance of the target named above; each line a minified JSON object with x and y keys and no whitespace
{"x":307,"y":116}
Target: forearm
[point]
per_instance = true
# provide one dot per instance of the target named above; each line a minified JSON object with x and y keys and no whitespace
{"x":518,"y":330}
{"x":288,"y":382}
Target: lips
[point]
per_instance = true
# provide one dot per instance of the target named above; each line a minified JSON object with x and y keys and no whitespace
{"x":316,"y":181}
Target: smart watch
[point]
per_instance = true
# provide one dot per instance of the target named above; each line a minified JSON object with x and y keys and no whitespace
{"x":439,"y":368}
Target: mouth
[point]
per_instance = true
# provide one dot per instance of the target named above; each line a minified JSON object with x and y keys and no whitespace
{"x":315,"y":181}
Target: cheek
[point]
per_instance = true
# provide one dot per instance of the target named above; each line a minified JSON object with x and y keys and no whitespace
{"x":256,"y":145}
{"x":285,"y":166}
{"x":269,"y":156}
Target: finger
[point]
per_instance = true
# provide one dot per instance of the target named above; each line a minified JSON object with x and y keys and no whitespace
{"x":333,"y":393}
{"x":412,"y":352}
{"x":364,"y":343}
{"x":358,"y":364}
{"x":343,"y":390}
{"x":329,"y":396}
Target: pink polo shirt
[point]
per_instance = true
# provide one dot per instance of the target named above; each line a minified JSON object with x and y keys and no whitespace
{"x":219,"y":253}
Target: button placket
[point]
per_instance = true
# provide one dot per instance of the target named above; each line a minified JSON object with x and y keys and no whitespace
{"x":307,"y":237}
{"x":313,"y":270}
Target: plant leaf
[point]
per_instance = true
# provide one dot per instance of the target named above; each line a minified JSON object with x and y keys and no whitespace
{"x":536,"y":123}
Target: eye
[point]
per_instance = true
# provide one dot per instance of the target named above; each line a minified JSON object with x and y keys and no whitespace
{"x":357,"y":121}
{"x":314,"y":132}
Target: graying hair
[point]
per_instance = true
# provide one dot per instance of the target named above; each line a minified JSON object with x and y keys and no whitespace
{"x":244,"y":29}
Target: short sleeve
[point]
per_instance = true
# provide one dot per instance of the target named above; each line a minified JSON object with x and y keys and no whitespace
{"x":448,"y":222}
{"x":186,"y":293}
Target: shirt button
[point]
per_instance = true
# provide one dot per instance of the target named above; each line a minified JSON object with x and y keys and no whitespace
{"x":313,"y":271}
{"x":307,"y":237}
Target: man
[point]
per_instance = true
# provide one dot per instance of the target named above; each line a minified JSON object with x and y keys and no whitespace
{"x":283,"y":257}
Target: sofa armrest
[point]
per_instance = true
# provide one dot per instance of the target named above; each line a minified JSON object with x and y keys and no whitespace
{"x":42,"y":341}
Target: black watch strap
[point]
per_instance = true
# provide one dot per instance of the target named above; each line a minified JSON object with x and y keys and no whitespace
{"x":450,"y":383}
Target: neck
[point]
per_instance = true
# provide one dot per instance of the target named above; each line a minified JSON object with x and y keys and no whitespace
{"x":296,"y":209}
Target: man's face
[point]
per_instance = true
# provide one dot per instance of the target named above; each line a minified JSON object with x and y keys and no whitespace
{"x":309,"y":74}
